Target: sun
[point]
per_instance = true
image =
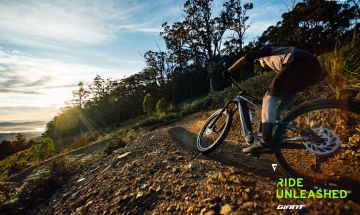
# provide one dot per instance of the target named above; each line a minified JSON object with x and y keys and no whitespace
{"x":58,"y":97}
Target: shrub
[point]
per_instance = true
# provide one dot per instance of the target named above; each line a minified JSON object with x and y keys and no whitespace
{"x":168,"y":116}
{"x":148,"y":104}
{"x":171,"y":107}
{"x":343,"y":68}
{"x":30,"y":156}
{"x":148,"y":121}
{"x":61,"y":169}
{"x":35,"y":188}
{"x":198,"y":105}
{"x":131,"y":134}
{"x":43,"y":150}
{"x":84,"y":139}
{"x":162,"y":106}
{"x":113,"y":145}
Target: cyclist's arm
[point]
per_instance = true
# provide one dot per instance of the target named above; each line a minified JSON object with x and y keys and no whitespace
{"x":237,"y":64}
{"x":252,"y":55}
{"x":263,"y":52}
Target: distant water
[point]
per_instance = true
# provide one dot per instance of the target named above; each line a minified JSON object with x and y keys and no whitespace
{"x":9,"y":130}
{"x":20,"y":127}
{"x":12,"y":136}
{"x":36,"y":130}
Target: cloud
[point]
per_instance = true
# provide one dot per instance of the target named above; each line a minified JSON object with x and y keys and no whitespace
{"x":23,"y":113}
{"x":42,"y":70}
{"x":64,"y":25}
{"x":8,"y":109}
{"x":258,"y":27}
{"x":124,"y":61}
{"x":18,"y":91}
{"x":31,"y":80}
{"x":139,"y":28}
{"x":15,"y":81}
{"x":51,"y":45}
{"x":262,"y":16}
{"x":54,"y":24}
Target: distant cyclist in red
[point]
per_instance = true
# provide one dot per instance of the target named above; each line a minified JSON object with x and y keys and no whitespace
{"x":296,"y":70}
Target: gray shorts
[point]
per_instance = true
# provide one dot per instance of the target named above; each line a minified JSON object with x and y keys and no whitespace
{"x":301,"y":73}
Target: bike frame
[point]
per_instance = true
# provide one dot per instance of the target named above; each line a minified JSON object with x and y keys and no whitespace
{"x":241,"y":101}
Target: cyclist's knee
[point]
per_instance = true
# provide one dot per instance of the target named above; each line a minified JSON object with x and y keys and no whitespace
{"x":269,"y":108}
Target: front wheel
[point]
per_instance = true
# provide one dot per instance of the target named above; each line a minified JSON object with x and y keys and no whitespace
{"x":213,"y":133}
{"x":319,"y":142}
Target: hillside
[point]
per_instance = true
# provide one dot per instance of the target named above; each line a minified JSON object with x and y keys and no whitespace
{"x":161,"y":172}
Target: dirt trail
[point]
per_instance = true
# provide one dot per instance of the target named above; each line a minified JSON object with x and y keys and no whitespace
{"x":229,"y":154}
{"x":161,"y":173}
{"x":85,"y":150}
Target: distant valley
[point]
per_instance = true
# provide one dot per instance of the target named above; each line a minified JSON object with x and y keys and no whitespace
{"x":9,"y":130}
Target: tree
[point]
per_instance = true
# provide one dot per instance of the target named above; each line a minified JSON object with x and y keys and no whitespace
{"x":290,"y":5}
{"x":204,"y":32}
{"x":156,"y":62}
{"x":162,"y":106}
{"x":20,"y":139}
{"x":179,"y":50}
{"x":5,"y":149}
{"x":148,"y":104}
{"x":312,"y":25}
{"x":237,"y":20}
{"x":198,"y":38}
{"x":80,"y":95}
{"x":200,"y":34}
{"x":100,"y":87}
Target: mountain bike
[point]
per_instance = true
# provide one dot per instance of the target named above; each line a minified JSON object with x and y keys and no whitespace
{"x":317,"y":141}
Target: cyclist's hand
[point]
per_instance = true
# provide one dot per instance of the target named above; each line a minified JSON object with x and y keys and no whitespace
{"x":226,"y":74}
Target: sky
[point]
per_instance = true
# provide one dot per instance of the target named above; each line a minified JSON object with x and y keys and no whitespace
{"x":48,"y":46}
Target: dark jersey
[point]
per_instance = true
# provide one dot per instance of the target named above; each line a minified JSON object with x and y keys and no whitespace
{"x":277,"y":57}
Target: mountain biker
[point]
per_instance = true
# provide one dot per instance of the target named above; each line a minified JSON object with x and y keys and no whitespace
{"x":296,"y":70}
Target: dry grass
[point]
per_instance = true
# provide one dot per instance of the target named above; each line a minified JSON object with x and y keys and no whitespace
{"x":343,"y":68}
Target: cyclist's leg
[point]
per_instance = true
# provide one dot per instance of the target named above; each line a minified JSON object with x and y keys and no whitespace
{"x":268,"y":118}
{"x":270,"y":106}
{"x":284,"y":104}
{"x":300,"y":74}
{"x":297,"y":76}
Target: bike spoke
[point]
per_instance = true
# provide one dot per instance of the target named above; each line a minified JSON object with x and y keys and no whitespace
{"x":287,"y":145}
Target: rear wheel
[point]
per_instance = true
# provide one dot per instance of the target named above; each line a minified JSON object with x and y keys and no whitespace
{"x":210,"y":138}
{"x":319,"y":142}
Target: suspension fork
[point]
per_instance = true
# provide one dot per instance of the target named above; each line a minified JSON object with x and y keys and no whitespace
{"x":222,"y":110}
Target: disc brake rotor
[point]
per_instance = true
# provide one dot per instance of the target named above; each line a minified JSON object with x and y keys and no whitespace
{"x":328,"y":147}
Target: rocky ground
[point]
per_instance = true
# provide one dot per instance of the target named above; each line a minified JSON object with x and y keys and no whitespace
{"x":159,"y":173}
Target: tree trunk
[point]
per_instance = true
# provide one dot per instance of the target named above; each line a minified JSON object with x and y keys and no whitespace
{"x":211,"y":76}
